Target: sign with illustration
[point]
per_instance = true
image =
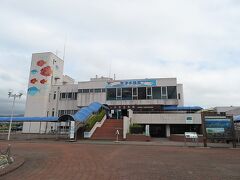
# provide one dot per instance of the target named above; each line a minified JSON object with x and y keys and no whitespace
{"x":218,"y":128}
{"x":132,"y":83}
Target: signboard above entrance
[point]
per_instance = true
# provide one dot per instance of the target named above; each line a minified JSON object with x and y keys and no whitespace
{"x":132,"y":83}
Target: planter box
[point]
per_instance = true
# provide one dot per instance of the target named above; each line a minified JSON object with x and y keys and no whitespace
{"x":138,"y":137}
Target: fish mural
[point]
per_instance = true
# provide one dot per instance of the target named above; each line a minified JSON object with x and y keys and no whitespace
{"x":33,"y":90}
{"x":57,"y":67}
{"x":41,"y":62}
{"x":43,"y":81}
{"x":34,"y":71}
{"x":46,"y":71}
{"x":33,"y":81}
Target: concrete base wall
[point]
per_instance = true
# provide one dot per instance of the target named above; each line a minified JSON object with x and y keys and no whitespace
{"x":181,"y":138}
{"x":138,"y":137}
{"x":22,"y":136}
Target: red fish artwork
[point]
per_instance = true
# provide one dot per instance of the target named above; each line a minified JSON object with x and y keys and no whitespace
{"x":43,"y":81}
{"x":46,"y":71}
{"x":33,"y":81}
{"x":41,"y":63}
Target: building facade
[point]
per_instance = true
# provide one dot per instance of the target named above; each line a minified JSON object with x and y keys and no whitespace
{"x":50,"y":93}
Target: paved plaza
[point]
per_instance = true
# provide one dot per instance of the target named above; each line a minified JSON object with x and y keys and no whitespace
{"x":64,"y":160}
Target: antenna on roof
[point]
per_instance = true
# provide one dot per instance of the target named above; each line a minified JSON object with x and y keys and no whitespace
{"x":110,"y":67}
{"x":64,"y":47}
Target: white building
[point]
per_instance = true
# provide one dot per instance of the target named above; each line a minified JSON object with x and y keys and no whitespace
{"x":51,"y":93}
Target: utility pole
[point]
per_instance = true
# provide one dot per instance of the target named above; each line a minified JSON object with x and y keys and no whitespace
{"x":10,"y":94}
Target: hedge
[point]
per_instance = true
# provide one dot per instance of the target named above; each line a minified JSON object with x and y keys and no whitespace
{"x":93,"y":119}
{"x":136,"y":129}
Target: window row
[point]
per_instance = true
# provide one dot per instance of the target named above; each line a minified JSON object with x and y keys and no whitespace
{"x":141,"y":93}
{"x":67,"y":95}
{"x":66,"y":112}
{"x":98,"y":90}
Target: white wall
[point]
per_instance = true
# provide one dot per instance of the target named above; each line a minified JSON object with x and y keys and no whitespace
{"x":63,"y":104}
{"x":165,"y":118}
{"x":180,"y":91}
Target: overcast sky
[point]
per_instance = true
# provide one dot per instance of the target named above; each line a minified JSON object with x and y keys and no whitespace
{"x":196,"y":41}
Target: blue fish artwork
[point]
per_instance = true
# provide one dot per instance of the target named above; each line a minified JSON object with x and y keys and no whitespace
{"x":33,"y":91}
{"x":34,"y":71}
{"x":57,"y":67}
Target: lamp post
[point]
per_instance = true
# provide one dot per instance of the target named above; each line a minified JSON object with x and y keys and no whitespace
{"x":11,"y":94}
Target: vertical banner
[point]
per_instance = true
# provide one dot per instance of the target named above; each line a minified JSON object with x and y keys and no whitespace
{"x":147,"y":130}
{"x":72,"y":129}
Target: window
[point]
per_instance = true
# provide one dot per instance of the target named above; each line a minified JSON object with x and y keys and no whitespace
{"x":126,"y":93}
{"x":52,"y":112}
{"x":103,"y":90}
{"x":172,"y":92}
{"x":119,"y":93}
{"x":91,"y":90}
{"x":69,"y":95}
{"x":111,"y":94}
{"x":85,"y":90}
{"x":142,"y":93}
{"x":156,"y":92}
{"x":179,"y":96}
{"x":63,"y":95}
{"x":97,"y":90}
{"x":149,"y":93}
{"x":134,"y":91}
{"x":164,"y":92}
{"x":54,"y":95}
{"x":80,"y":90}
{"x":75,"y":96}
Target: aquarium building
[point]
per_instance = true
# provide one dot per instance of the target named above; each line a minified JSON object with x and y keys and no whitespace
{"x":157,"y":102}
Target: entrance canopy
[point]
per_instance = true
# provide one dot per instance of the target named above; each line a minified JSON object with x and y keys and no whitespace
{"x":84,"y":113}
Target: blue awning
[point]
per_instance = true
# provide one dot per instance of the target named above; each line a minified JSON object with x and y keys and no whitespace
{"x":95,"y":106}
{"x":182,"y":108}
{"x":84,"y":113}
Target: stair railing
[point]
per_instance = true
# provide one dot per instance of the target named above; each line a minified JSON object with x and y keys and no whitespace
{"x":96,"y":125}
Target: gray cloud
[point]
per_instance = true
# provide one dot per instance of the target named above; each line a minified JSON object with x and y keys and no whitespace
{"x":196,"y":41}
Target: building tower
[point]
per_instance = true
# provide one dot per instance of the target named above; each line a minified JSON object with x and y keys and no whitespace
{"x":46,"y":71}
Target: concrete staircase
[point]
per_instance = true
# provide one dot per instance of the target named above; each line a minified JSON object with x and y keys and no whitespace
{"x":108,"y":130}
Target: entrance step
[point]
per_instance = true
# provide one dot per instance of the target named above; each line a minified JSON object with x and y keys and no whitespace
{"x":108,"y":130}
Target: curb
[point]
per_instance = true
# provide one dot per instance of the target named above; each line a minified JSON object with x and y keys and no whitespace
{"x":18,"y":162}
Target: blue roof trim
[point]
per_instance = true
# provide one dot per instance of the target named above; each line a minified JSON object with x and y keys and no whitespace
{"x":182,"y":108}
{"x":236,"y":118}
{"x":29,"y":119}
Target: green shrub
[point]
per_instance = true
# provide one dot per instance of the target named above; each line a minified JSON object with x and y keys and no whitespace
{"x":93,"y":119}
{"x":136,"y":129}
